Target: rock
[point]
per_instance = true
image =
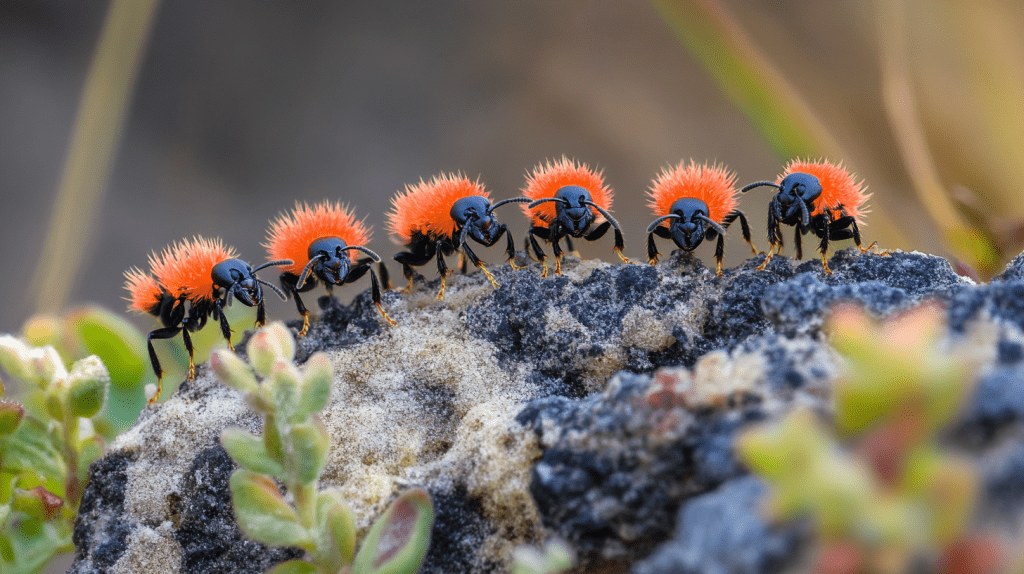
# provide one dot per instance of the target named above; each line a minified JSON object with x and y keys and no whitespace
{"x":539,"y":408}
{"x":721,"y":532}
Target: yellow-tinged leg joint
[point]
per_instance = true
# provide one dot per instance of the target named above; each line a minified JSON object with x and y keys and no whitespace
{"x":512,"y":264}
{"x":824,"y":264}
{"x":305,"y":324}
{"x":385,"y":314}
{"x":410,"y":286}
{"x":653,"y":260}
{"x":558,"y":265}
{"x":771,"y":253}
{"x":159,"y":387}
{"x":718,"y":269}
{"x":544,"y":264}
{"x":873,"y":245}
{"x":622,"y":257}
{"x":192,"y":369}
{"x":440,"y":294}
{"x":489,"y":276}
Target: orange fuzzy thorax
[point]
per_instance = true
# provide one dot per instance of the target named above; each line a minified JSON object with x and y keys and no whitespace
{"x":712,"y":184}
{"x":185,"y":268}
{"x":291,"y":233}
{"x":547,"y":179}
{"x":838,"y":186}
{"x":425,"y":207}
{"x":145,"y":291}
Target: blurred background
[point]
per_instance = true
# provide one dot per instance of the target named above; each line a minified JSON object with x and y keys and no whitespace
{"x":238,"y":109}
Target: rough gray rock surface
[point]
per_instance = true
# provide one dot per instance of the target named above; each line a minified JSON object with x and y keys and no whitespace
{"x":721,"y":532}
{"x":535,"y":409}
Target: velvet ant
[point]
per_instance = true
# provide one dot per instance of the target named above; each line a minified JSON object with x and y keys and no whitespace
{"x":322,"y":243}
{"x":692,"y":203}
{"x":435,"y":218}
{"x":818,"y":197}
{"x":206,"y":276}
{"x":567,"y":199}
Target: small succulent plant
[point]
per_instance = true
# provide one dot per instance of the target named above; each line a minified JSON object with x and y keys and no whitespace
{"x":293,"y":450}
{"x":882,"y":493}
{"x":46,"y":446}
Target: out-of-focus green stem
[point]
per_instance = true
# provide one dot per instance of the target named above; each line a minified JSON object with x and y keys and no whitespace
{"x":901,"y":107}
{"x":757,"y":87}
{"x":748,"y":78}
{"x":97,"y":131}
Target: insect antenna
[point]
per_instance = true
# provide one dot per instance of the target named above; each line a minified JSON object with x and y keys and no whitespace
{"x":711,"y":222}
{"x":279,"y":262}
{"x":305,"y":271}
{"x":510,"y":200}
{"x":374,"y":256}
{"x":747,"y":188}
{"x":606,"y":215}
{"x":274,"y":288}
{"x":657,"y":222}
{"x":464,"y":231}
{"x":542,"y":200}
{"x":805,"y":217}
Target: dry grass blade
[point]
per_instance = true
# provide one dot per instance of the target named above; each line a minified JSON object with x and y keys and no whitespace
{"x":97,"y":131}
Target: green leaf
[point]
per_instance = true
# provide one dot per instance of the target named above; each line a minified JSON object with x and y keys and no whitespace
{"x":30,"y":545}
{"x":87,"y":387}
{"x":285,"y":383}
{"x":10,"y":417}
{"x":294,"y":567}
{"x":89,"y":451}
{"x":317,"y":381}
{"x":263,"y":515}
{"x":30,"y":448}
{"x":38,"y":503}
{"x":117,"y":342}
{"x":46,"y":366}
{"x":398,"y":541}
{"x":337,"y":530}
{"x":249,"y":452}
{"x":14,"y":357}
{"x":272,"y":438}
{"x":233,"y":371}
{"x":311,"y":445}
{"x":269,"y":345}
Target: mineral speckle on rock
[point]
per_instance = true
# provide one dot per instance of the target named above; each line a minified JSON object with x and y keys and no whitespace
{"x":599,"y":405}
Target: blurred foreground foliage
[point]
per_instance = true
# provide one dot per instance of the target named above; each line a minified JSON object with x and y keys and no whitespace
{"x":882,"y":493}
{"x":46,"y":446}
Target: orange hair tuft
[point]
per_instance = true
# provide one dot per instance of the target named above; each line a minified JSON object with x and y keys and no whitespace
{"x":425,"y":207}
{"x":549,"y":177}
{"x":145,"y":291}
{"x":185,"y":268}
{"x":291,"y":233}
{"x":712,"y":184}
{"x":838,"y":186}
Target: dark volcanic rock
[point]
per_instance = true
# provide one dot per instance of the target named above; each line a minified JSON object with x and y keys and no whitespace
{"x":101,"y":533}
{"x":207,"y":530}
{"x":721,"y":532}
{"x":607,"y":481}
{"x":537,"y":409}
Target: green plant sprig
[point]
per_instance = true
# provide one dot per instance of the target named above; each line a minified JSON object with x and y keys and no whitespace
{"x":46,"y":446}
{"x":293,"y":450}
{"x":880,"y":489}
